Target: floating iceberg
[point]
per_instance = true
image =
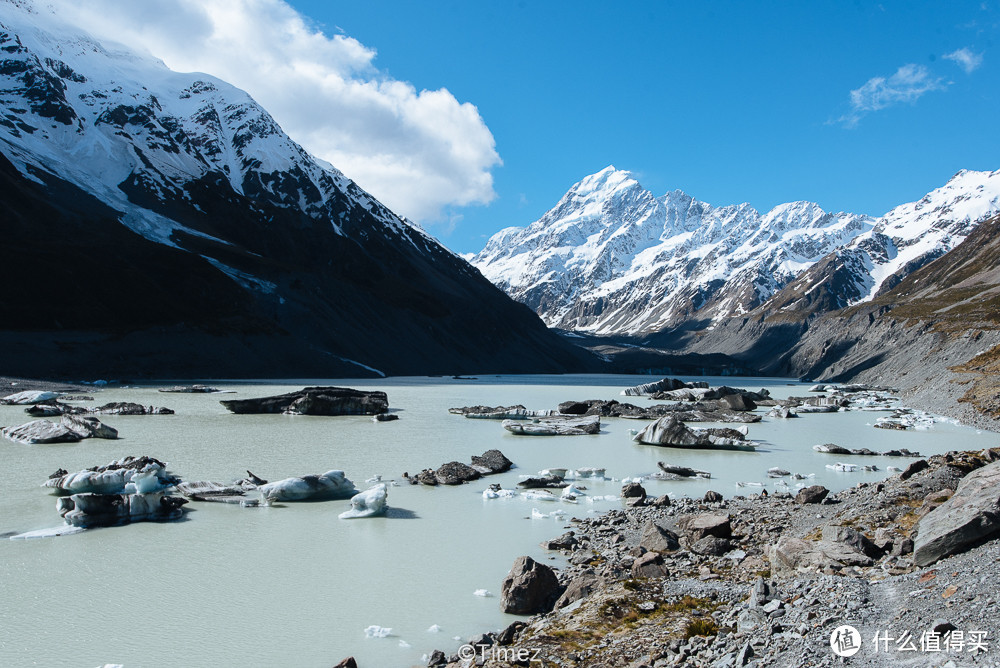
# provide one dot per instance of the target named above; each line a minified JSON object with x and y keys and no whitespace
{"x":590,"y":472}
{"x":369,"y":503}
{"x":29,"y":397}
{"x":330,"y":485}
{"x":494,"y":491}
{"x":537,"y":515}
{"x":129,"y":475}
{"x":485,"y":593}
{"x":104,"y":510}
{"x":377,"y":632}
{"x":434,"y":628}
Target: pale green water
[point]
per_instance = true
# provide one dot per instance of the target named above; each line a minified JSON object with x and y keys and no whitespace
{"x":295,"y":585}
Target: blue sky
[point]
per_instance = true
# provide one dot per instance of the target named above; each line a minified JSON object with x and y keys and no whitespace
{"x":730,"y":102}
{"x":473,"y":116}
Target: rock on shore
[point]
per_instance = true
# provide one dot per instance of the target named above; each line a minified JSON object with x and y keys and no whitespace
{"x":641,"y":592}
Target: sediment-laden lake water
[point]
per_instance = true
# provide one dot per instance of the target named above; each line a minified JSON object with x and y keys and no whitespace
{"x":293,"y":585}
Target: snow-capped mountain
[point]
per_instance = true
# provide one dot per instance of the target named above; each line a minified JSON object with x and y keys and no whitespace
{"x":238,"y":224}
{"x":611,"y":258}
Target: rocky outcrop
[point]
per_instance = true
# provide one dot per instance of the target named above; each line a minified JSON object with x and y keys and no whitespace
{"x":314,"y":401}
{"x":555,"y":426}
{"x":656,"y":538}
{"x":456,"y":473}
{"x":491,"y":461}
{"x":970,"y":516}
{"x":529,"y":588}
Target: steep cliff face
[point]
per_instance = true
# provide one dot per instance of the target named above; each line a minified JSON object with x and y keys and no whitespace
{"x":163,"y":224}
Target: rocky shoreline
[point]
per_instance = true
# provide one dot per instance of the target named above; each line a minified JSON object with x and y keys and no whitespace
{"x":767,"y":580}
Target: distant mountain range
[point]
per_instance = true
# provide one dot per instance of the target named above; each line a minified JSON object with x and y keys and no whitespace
{"x":158,"y":223}
{"x":612,"y":259}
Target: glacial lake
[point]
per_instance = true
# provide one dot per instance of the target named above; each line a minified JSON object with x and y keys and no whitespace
{"x":293,"y":585}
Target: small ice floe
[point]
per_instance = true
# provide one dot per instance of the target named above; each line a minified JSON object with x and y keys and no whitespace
{"x":434,"y":628}
{"x":775,"y":472}
{"x":743,"y":429}
{"x":800,"y":476}
{"x":869,"y":467}
{"x":494,"y":491}
{"x":369,"y":503}
{"x":374,"y":479}
{"x":377,"y":632}
{"x":893,"y":469}
{"x":404,"y":644}
{"x":557,"y":513}
{"x":841,"y":466}
{"x":637,"y":479}
{"x":598,"y":498}
{"x":558,"y":473}
{"x":540,"y":495}
{"x":590,"y":472}
{"x":572,"y":494}
{"x":484,"y":593}
{"x":749,"y":484}
{"x":800,"y":485}
{"x":781,"y":483}
{"x":64,"y":530}
{"x":537,"y":515}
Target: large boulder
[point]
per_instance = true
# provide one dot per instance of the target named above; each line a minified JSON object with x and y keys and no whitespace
{"x":649,"y":565}
{"x":491,"y":461}
{"x":529,"y":588}
{"x":969,"y":517}
{"x":794,"y":555}
{"x":455,"y":473}
{"x":658,"y":539}
{"x":697,"y":527}
{"x":813,"y":494}
{"x":579,"y":587}
{"x":315,"y":401}
{"x":853,"y":538}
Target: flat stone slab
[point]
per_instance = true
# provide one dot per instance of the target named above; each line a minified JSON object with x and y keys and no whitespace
{"x":969,"y":517}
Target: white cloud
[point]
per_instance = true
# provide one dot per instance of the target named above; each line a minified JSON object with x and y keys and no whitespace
{"x":416,"y":151}
{"x":966,"y":59}
{"x":906,"y":85}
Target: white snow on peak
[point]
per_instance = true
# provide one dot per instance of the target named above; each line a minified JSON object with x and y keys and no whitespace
{"x":107,"y":119}
{"x":611,"y":258}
